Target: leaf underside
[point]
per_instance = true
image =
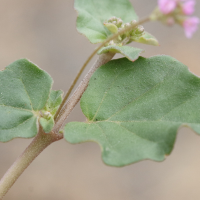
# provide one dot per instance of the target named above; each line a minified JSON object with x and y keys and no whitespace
{"x":134,"y":109}
{"x":24,"y":90}
{"x":93,"y":13}
{"x":129,"y":52}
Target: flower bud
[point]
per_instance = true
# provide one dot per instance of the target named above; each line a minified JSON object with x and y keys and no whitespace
{"x":133,"y":22}
{"x":111,"y":43}
{"x":112,"y":19}
{"x":119,"y":22}
{"x":47,"y":115}
{"x":127,"y":33}
{"x":139,"y":30}
{"x":170,"y":21}
{"x":126,"y":25}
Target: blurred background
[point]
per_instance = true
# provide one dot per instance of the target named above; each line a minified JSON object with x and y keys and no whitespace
{"x":44,"y":31}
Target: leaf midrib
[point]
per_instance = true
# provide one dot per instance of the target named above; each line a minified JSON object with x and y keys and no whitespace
{"x":16,"y":108}
{"x":128,"y":131}
{"x":135,"y":99}
{"x":18,"y":124}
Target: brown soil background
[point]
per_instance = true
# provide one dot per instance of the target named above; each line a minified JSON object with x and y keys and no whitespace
{"x":44,"y":32}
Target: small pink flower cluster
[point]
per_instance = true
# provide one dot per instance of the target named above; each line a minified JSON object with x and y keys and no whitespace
{"x":180,"y":8}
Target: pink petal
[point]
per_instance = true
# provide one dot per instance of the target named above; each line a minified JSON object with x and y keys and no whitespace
{"x":167,"y":6}
{"x":190,"y":26}
{"x":188,"y":7}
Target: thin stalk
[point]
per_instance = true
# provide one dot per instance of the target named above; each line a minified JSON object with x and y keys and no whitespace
{"x":40,"y":142}
{"x":71,"y":88}
{"x":121,"y":32}
{"x":73,"y":84}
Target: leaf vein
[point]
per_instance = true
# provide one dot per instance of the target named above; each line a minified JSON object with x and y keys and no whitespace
{"x":24,"y":87}
{"x":105,"y":93}
{"x":137,"y":135}
{"x":178,"y":107}
{"x":17,"y":125}
{"x":105,"y":136}
{"x":136,"y":99}
{"x":3,"y":105}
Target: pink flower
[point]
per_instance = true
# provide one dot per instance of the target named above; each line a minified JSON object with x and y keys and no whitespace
{"x":190,"y":25}
{"x":188,"y":7}
{"x":167,"y":6}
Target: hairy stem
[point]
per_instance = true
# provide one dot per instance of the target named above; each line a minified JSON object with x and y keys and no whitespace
{"x":40,"y":142}
{"x":74,"y":99}
{"x":121,"y":32}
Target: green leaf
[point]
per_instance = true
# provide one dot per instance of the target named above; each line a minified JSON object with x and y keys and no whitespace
{"x":24,"y":90}
{"x":134,"y":109}
{"x":47,"y":124}
{"x":147,"y":38}
{"x":93,"y":13}
{"x":129,"y":52}
{"x":54,"y":101}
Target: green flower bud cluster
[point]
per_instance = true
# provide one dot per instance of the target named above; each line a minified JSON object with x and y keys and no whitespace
{"x":114,"y":25}
{"x":137,"y":32}
{"x":116,"y":21}
{"x":46,"y":120}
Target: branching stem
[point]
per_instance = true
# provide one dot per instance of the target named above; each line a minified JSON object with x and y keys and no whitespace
{"x":42,"y":140}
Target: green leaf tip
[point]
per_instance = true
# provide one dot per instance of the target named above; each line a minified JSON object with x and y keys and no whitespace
{"x":134,"y":109}
{"x":24,"y":91}
{"x":147,"y":38}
